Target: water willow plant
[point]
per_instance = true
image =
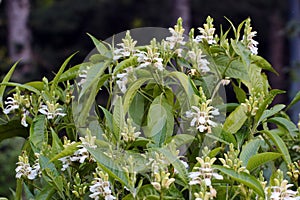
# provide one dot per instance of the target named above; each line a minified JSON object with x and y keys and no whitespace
{"x":166,"y":130}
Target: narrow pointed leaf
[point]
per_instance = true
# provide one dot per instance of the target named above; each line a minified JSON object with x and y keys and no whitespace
{"x":243,"y":178}
{"x":280,"y":145}
{"x":6,"y":79}
{"x":235,"y":120}
{"x":260,"y":159}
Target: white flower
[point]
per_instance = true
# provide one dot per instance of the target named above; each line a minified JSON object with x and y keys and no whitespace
{"x":66,"y":161}
{"x":148,"y":58}
{"x":12,"y":105}
{"x":281,"y":192}
{"x":207,"y":33}
{"x":24,"y":115}
{"x":83,"y":75}
{"x":251,"y":42}
{"x":80,"y":155}
{"x":127,"y":47}
{"x":24,"y":169}
{"x":123,"y":79}
{"x":201,"y":117}
{"x":248,"y":38}
{"x":101,"y":188}
{"x":51,"y":110}
{"x":176,"y":38}
{"x":204,"y":173}
{"x":197,"y":58}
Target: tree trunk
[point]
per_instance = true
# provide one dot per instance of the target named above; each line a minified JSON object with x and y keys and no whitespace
{"x":19,"y":34}
{"x":181,"y":8}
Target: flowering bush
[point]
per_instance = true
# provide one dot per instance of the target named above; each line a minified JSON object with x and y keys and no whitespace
{"x":153,"y":122}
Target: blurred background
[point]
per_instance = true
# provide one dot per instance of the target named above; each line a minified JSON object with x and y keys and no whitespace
{"x":43,"y":33}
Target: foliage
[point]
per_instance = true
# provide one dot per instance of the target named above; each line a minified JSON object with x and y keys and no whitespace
{"x":165,"y":131}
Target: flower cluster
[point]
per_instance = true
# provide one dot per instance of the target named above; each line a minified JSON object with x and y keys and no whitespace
{"x":232,"y":160}
{"x":159,"y":172}
{"x":100,"y":186}
{"x":25,"y":170}
{"x":203,"y":175}
{"x":279,"y":189}
{"x":128,"y":133}
{"x":127,"y":47}
{"x":202,"y":116}
{"x":207,"y":33}
{"x":81,"y":154}
{"x":18,"y":102}
{"x":51,"y":110}
{"x":248,"y":38}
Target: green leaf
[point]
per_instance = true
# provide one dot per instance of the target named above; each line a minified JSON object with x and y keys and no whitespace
{"x":269,"y":113}
{"x":260,"y":159}
{"x":239,"y":93}
{"x":268,"y":99}
{"x":71,"y":73}
{"x":181,"y":139}
{"x":11,"y":129}
{"x":262,"y":63}
{"x":178,"y":165}
{"x":46,"y":193}
{"x":144,"y":193}
{"x":249,"y":150}
{"x":6,"y":79}
{"x":59,"y":73}
{"x":160,"y":121}
{"x":137,"y":109}
{"x":287,"y":124}
{"x":242,"y":51}
{"x":235,"y":120}
{"x":102,"y":49}
{"x":108,"y":118}
{"x":294,"y":101}
{"x":280,"y":145}
{"x":69,"y":150}
{"x":37,"y":132}
{"x":110,"y":166}
{"x":118,"y":119}
{"x":243,"y":178}
{"x":22,"y":86}
{"x":124,"y":64}
{"x":131,"y":91}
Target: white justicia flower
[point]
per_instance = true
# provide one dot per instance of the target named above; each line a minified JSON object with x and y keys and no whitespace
{"x":127,"y":47}
{"x":176,"y":35}
{"x":83,"y":75}
{"x":282,"y":191}
{"x":248,"y":38}
{"x":124,"y":78}
{"x":201,"y":117}
{"x":204,"y":173}
{"x":51,"y":110}
{"x":198,"y":60}
{"x":100,"y":187}
{"x":25,"y":170}
{"x":207,"y":33}
{"x":12,"y":104}
{"x":176,"y":38}
{"x":80,"y":155}
{"x":25,"y":113}
{"x":148,"y":58}
{"x":251,"y":43}
{"x":66,"y":161}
